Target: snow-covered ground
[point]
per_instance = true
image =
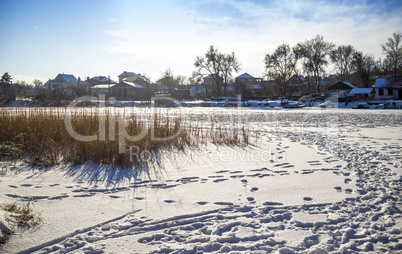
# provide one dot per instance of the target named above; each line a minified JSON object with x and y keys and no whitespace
{"x":312,"y":181}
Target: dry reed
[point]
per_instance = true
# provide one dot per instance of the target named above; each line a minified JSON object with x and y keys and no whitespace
{"x":40,"y":136}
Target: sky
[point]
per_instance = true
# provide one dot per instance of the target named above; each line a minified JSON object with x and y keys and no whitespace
{"x":42,"y":38}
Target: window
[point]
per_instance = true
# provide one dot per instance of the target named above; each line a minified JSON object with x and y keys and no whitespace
{"x":390,"y":92}
{"x":381,"y":91}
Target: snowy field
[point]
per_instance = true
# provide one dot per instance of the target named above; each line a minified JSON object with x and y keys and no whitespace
{"x":311,"y":181}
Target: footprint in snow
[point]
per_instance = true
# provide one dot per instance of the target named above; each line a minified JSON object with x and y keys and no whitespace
{"x":235,"y":172}
{"x":307,"y":199}
{"x":250,"y":199}
{"x":139,"y":198}
{"x":168,"y":201}
{"x":219,"y":180}
{"x":61,"y":196}
{"x":202,"y":203}
{"x":223,"y":203}
{"x":338,"y":188}
{"x":254,"y":189}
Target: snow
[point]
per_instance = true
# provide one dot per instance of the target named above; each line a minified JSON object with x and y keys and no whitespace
{"x":197,"y":90}
{"x":69,"y":78}
{"x":361,"y":91}
{"x":48,"y":82}
{"x":381,"y":82}
{"x":245,"y":75}
{"x":103,"y":86}
{"x":102,"y":79}
{"x":129,"y":74}
{"x":209,"y":76}
{"x":133,"y":84}
{"x":312,"y":181}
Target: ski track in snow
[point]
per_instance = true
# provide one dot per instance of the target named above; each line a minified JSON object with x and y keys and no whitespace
{"x":368,"y":221}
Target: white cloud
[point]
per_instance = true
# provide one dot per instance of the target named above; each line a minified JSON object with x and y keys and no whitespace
{"x":172,"y":38}
{"x":28,"y":79}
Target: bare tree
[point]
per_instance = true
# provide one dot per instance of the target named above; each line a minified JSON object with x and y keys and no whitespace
{"x":181,"y":80}
{"x":212,"y":63}
{"x":195,"y":79}
{"x":167,"y":79}
{"x":229,"y":64}
{"x":364,"y":65}
{"x":342,"y":56}
{"x":281,"y":66}
{"x":37,"y":83}
{"x":393,"y":51}
{"x":315,"y":52}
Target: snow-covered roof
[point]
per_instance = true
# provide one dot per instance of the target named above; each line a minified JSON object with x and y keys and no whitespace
{"x":69,"y":78}
{"x":381,"y":82}
{"x":210,"y":76}
{"x":48,"y":82}
{"x":102,"y":86}
{"x":129,"y":74}
{"x":197,"y":89}
{"x":135,"y":85}
{"x":361,"y":90}
{"x":245,"y":75}
{"x":102,"y":79}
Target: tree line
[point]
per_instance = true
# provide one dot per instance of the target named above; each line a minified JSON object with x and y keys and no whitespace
{"x":308,"y":58}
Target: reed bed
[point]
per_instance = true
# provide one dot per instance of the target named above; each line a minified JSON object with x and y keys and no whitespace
{"x":40,"y":135}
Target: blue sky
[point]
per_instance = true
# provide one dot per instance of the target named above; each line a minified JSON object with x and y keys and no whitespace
{"x":41,"y":38}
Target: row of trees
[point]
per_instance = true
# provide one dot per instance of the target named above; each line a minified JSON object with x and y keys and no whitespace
{"x":309,"y":58}
{"x":313,"y":56}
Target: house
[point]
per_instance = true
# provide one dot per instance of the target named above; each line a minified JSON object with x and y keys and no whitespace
{"x":64,"y":82}
{"x":210,"y":83}
{"x":48,"y":83}
{"x":129,"y":91}
{"x":181,"y":94}
{"x":362,"y":93}
{"x":247,"y":79}
{"x":197,"y":91}
{"x":341,"y":86}
{"x":297,"y":86}
{"x":130,"y":76}
{"x":249,"y":86}
{"x":388,"y":88}
{"x":101,"y":89}
{"x":99,"y":80}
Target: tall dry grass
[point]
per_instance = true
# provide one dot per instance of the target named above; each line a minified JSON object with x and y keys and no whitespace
{"x":40,"y":136}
